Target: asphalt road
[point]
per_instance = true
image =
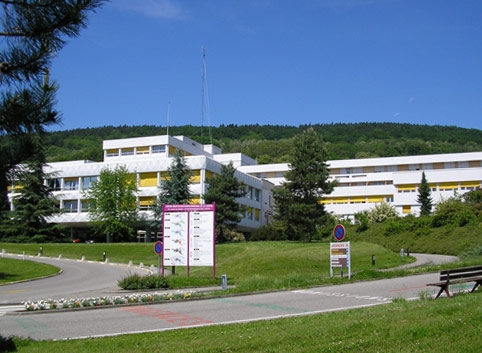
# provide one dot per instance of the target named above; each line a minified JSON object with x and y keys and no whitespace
{"x":175,"y":315}
{"x":78,"y":279}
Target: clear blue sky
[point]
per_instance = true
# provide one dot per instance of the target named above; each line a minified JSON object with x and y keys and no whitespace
{"x":286,"y":62}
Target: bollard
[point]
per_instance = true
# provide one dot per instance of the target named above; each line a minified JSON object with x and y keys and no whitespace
{"x":104,"y":254}
{"x":41,"y":251}
{"x":224,"y":282}
{"x":408,"y":251}
{"x":373,"y":260}
{"x":401,"y":252}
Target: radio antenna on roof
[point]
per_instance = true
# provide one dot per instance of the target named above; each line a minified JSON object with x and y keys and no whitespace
{"x":205,"y":99}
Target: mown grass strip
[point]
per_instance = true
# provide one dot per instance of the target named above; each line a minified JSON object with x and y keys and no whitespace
{"x":12,"y":270}
{"x":445,"y":325}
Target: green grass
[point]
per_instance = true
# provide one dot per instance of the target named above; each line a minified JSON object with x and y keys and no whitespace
{"x":448,"y":240}
{"x":251,"y":266}
{"x":19,"y":270}
{"x":442,"y":325}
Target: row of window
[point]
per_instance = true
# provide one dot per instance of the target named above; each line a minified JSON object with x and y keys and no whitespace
{"x":145,"y":204}
{"x":463,"y":186}
{"x":407,"y":167}
{"x":357,"y":199}
{"x":130,"y":151}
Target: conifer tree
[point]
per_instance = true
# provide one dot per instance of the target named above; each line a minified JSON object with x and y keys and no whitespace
{"x":298,"y":199}
{"x":174,"y":189}
{"x":32,"y":33}
{"x":223,"y":190}
{"x":424,"y":197}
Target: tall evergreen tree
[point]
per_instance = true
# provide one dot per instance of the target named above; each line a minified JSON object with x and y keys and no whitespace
{"x":32,"y":33}
{"x":174,"y":189}
{"x":33,"y":203}
{"x":298,"y":199}
{"x":113,"y":208}
{"x":424,"y":197}
{"x":223,"y":190}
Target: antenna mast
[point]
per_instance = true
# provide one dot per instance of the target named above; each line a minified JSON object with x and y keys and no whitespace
{"x":168,"y":117}
{"x":205,"y":98}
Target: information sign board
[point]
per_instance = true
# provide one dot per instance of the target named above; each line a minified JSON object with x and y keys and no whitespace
{"x":189,"y":235}
{"x":340,"y":257}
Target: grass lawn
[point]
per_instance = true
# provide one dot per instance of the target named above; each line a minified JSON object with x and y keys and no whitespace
{"x":251,"y":266}
{"x":442,"y":325}
{"x":18,"y":270}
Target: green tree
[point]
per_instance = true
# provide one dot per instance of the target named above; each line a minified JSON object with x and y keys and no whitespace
{"x":298,"y":199}
{"x":113,"y":210}
{"x":174,"y":189}
{"x":424,"y":197}
{"x":223,"y":190}
{"x":32,"y":33}
{"x":33,"y":203}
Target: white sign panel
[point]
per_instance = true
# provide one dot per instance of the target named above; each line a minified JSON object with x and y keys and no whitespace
{"x":189,"y":235}
{"x":175,"y":238}
{"x":201,"y":240}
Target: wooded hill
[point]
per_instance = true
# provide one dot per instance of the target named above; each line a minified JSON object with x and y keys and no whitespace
{"x":272,"y":143}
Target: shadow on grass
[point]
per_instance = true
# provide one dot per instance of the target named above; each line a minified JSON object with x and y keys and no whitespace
{"x":7,"y":344}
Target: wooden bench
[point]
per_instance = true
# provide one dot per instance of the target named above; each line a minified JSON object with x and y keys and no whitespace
{"x":456,"y":276}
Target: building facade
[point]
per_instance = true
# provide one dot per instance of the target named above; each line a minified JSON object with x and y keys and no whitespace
{"x":362,"y":183}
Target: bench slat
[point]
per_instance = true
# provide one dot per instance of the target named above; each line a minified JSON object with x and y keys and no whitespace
{"x":458,"y":275}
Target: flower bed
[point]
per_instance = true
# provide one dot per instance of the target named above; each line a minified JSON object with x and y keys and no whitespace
{"x":156,"y":297}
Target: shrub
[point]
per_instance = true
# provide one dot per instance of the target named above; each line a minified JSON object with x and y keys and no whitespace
{"x":271,"y":232}
{"x":382,"y":212}
{"x":136,"y":281}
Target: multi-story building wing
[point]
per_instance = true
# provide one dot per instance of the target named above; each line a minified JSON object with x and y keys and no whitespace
{"x":362,"y":183}
{"x":150,"y":158}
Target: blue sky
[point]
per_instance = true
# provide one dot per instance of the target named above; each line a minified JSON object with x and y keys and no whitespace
{"x":278,"y":62}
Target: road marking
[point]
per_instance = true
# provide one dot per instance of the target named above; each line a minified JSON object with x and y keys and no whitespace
{"x":168,"y":316}
{"x":10,"y":308}
{"x":343,"y":295}
{"x":260,"y":305}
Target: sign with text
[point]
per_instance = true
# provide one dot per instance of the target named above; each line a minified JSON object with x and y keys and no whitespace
{"x":340,"y":257}
{"x":189,"y":235}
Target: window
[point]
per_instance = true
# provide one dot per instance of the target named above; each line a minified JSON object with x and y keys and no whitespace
{"x":195,"y":176}
{"x":71,"y":183}
{"x":256,"y":194}
{"x":148,"y":179}
{"x":70,"y":206}
{"x":142,"y":150}
{"x":146,"y":203}
{"x":127,"y":151}
{"x":54,"y":184}
{"x":86,"y":205}
{"x":112,"y":152}
{"x":87,"y":182}
{"x":158,"y":149}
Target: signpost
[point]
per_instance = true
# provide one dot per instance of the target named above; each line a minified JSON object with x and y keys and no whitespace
{"x":158,"y":250}
{"x":340,"y":251}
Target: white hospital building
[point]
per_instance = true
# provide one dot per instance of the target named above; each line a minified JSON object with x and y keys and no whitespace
{"x":362,"y":183}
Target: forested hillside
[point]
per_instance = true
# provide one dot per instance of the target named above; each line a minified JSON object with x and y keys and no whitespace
{"x":272,"y":143}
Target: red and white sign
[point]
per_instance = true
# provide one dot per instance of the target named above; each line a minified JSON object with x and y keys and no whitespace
{"x":340,"y":257}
